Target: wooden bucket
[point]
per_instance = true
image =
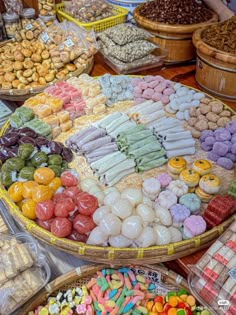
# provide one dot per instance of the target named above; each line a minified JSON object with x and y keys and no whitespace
{"x":177,"y":39}
{"x":215,"y":69}
{"x":80,"y":276}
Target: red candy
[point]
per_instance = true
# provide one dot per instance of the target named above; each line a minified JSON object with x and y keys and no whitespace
{"x":45,"y":224}
{"x":58,"y":197}
{"x":64,"y":207}
{"x":75,"y":236}
{"x":68,"y":179}
{"x":61,"y":227}
{"x":72,"y":192}
{"x":45,"y":210}
{"x":159,"y":299}
{"x":83,"y":224}
{"x":87,"y":203}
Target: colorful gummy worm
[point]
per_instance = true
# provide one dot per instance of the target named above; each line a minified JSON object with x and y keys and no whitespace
{"x":119,"y":292}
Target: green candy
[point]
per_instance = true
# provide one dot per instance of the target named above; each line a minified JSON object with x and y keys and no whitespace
{"x":6,"y":177}
{"x":56,"y":169}
{"x":25,"y":113}
{"x":54,"y":159}
{"x":25,"y":150}
{"x":39,"y":158}
{"x":27,"y":173}
{"x":64,"y":167}
{"x":15,"y":164}
{"x":182,"y":292}
{"x":15,"y":121}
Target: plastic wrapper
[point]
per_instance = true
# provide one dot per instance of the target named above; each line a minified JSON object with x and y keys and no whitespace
{"x":54,"y":34}
{"x":23,"y":271}
{"x":31,"y":30}
{"x":47,"y":7}
{"x":213,"y":278}
{"x":89,"y":11}
{"x":13,"y":6}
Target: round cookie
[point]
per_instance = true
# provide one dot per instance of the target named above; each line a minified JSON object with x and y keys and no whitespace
{"x":202,"y":166}
{"x":203,"y":195}
{"x":210,"y":183}
{"x":190,"y":177}
{"x":176,"y":165}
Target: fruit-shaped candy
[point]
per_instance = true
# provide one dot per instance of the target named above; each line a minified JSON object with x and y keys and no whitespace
{"x":15,"y":191}
{"x":45,"y":224}
{"x":41,"y":193}
{"x":28,"y":209}
{"x":64,"y":207}
{"x":69,"y":178}
{"x":56,"y":169}
{"x":15,"y":164}
{"x":25,"y":150}
{"x":54,"y":159}
{"x":61,"y":227}
{"x":28,"y":188}
{"x":7,"y":177}
{"x":87,"y":204}
{"x":83,"y":224}
{"x":55,"y":183}
{"x":75,"y":236}
{"x":44,"y":175}
{"x":20,"y":203}
{"x":26,"y":173}
{"x":72,"y":192}
{"x":45,"y":210}
{"x":39,"y":158}
{"x":58,"y":196}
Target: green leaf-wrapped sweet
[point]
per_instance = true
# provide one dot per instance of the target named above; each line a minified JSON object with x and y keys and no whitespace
{"x":25,"y":150}
{"x":15,"y":164}
{"x":15,"y":121}
{"x":7,"y":177}
{"x":25,"y":113}
{"x":56,"y":169}
{"x":39,"y":159}
{"x":27,"y":173}
{"x":54,"y":159}
{"x":64,"y":166}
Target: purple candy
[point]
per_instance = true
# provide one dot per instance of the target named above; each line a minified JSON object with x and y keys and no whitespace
{"x":148,"y":93}
{"x":223,"y":135}
{"x":220,"y":148}
{"x":231,"y":127}
{"x":219,"y":130}
{"x":156,"y":96}
{"x":136,"y":81}
{"x":212,"y":156}
{"x":149,"y":78}
{"x":160,"y":87}
{"x":205,"y":134}
{"x":153,"y":84}
{"x":233,"y":148}
{"x":231,"y":156}
{"x":233,"y":139}
{"x":225,"y":163}
{"x":205,"y":147}
{"x":210,"y":141}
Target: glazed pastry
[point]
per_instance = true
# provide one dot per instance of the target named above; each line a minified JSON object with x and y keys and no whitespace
{"x":210,"y":183}
{"x":179,"y":213}
{"x":203,"y":195}
{"x":178,"y":187}
{"x":191,"y":201}
{"x":190,"y":177}
{"x":176,"y":165}
{"x":202,"y":167}
{"x":193,"y":226}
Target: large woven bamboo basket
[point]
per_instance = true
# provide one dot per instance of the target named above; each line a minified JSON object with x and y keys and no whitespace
{"x":176,"y":38}
{"x":22,"y":95}
{"x":82,"y":275}
{"x":215,"y":69}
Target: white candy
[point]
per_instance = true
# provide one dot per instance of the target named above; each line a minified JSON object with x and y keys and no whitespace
{"x":176,"y":235}
{"x":182,"y":91}
{"x":169,"y":109}
{"x":145,"y":212}
{"x":134,"y":195}
{"x":195,"y":103}
{"x":186,"y":115}
{"x":93,"y":189}
{"x":180,"y":115}
{"x":163,"y":215}
{"x":122,"y":208}
{"x":147,"y":238}
{"x":110,"y":189}
{"x":163,"y":235}
{"x":177,"y":86}
{"x":100,"y":197}
{"x":97,"y":237}
{"x":174,"y":105}
{"x":184,"y":106}
{"x":147,"y":201}
{"x":198,"y":96}
{"x":100,"y":213}
{"x":132,"y":227}
{"x":111,"y":198}
{"x":86,"y":183}
{"x":119,"y":241}
{"x":110,"y":224}
{"x":171,"y":97}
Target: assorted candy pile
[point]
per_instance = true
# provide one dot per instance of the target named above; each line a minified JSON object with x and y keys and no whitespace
{"x":120,"y":291}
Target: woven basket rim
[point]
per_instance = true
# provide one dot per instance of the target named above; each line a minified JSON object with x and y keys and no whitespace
{"x":161,"y":253}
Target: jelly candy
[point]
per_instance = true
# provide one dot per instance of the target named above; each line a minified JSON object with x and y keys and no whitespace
{"x":55,"y":183}
{"x":87,"y":203}
{"x":83,"y":224}
{"x":61,"y":227}
{"x":28,"y":209}
{"x":44,"y":175}
{"x":63,"y":207}
{"x":45,"y":210}
{"x":41,"y":193}
{"x":27,"y":188}
{"x":69,"y":179}
{"x":15,"y":191}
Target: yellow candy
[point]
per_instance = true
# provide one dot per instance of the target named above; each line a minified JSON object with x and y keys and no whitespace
{"x":183,"y":297}
{"x":15,"y":191}
{"x":143,"y":286}
{"x":158,"y":307}
{"x":52,"y":301}
{"x":77,"y":300}
{"x":152,"y":313}
{"x":173,"y":301}
{"x":149,"y":305}
{"x":190,"y":300}
{"x":28,"y":209}
{"x":102,"y":308}
{"x":116,"y":284}
{"x":44,"y":311}
{"x":110,"y":303}
{"x":172,"y":311}
{"x":65,"y":310}
{"x":55,"y":183}
{"x":115,"y":277}
{"x":140,"y":279}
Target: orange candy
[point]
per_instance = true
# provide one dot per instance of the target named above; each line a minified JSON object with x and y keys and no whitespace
{"x":172,"y":311}
{"x":149,"y":305}
{"x":158,"y":307}
{"x":28,"y":209}
{"x":44,"y":175}
{"x":191,"y":300}
{"x":42,"y":193}
{"x":15,"y":191}
{"x":28,"y":188}
{"x":173,"y":301}
{"x":55,"y":183}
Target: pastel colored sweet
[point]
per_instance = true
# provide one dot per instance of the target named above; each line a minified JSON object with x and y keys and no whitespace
{"x":205,"y":197}
{"x":206,"y":147}
{"x":233,"y":148}
{"x":165,"y":99}
{"x":202,"y":166}
{"x":205,"y":134}
{"x":233,"y":139}
{"x":135,"y":81}
{"x":178,"y":187}
{"x":160,"y":88}
{"x":190,"y":177}
{"x":149,"y":78}
{"x":164,"y":179}
{"x":231,"y":127}
{"x":231,"y":156}
{"x":225,"y":162}
{"x":220,"y":148}
{"x":176,"y":165}
{"x":151,"y":187}
{"x":166,"y":199}
{"x":153,"y":84}
{"x":223,"y":135}
{"x":213,"y":156}
{"x":193,"y":226}
{"x":191,"y":201}
{"x":210,"y":141}
{"x":210,"y":183}
{"x":156,"y":96}
{"x":179,"y":213}
{"x":168,"y":91}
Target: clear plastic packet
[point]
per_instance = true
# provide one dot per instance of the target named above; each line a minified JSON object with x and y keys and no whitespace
{"x":54,"y":34}
{"x":23,"y":271}
{"x":213,"y":278}
{"x":13,"y":6}
{"x":46,"y":7}
{"x":88,"y":11}
{"x":31,"y":30}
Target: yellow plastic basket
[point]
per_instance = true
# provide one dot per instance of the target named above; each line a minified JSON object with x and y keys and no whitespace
{"x":98,"y":26}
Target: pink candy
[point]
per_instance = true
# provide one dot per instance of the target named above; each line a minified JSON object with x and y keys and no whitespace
{"x":148,"y":93}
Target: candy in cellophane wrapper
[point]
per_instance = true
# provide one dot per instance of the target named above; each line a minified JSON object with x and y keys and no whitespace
{"x":31,"y":31}
{"x":13,"y":6}
{"x":71,"y":48}
{"x":213,"y":278}
{"x":54,"y":34}
{"x":23,"y":271}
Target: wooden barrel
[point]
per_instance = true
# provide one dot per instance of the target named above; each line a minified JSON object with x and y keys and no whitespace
{"x":215,"y":69}
{"x":176,"y":38}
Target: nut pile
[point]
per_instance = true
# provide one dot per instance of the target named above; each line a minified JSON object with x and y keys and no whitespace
{"x":175,"y":11}
{"x":221,"y":35}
